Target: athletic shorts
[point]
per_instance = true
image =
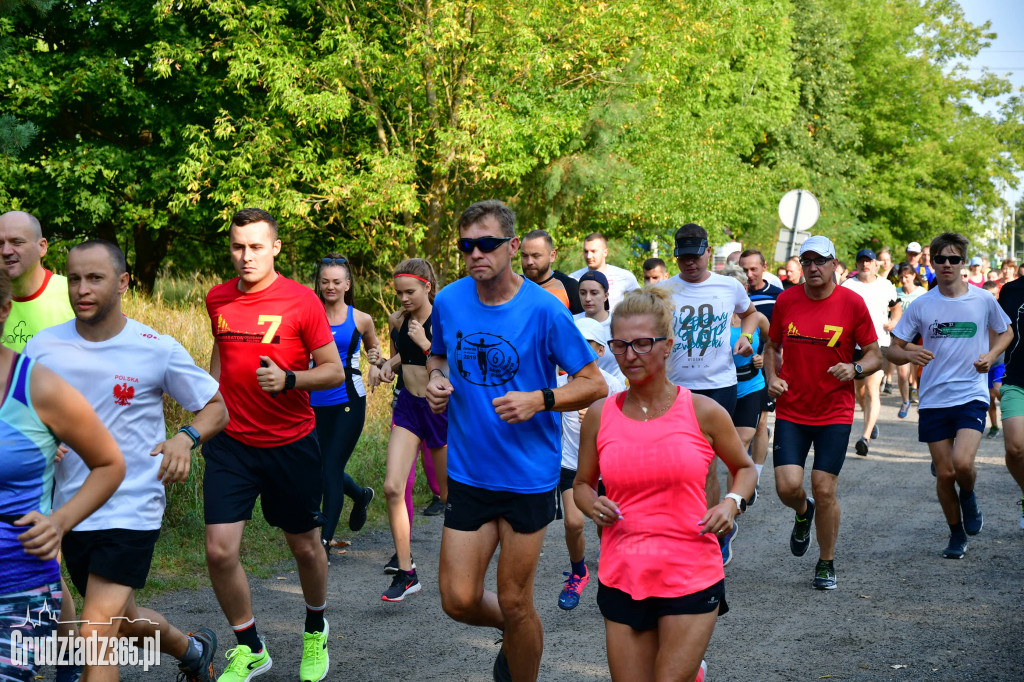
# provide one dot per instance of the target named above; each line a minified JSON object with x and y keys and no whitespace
{"x":725,"y":396}
{"x":996,"y":375}
{"x":942,"y":423}
{"x":793,"y":442}
{"x":414,"y":415}
{"x":643,"y":614}
{"x":287,"y":479}
{"x":469,"y":508}
{"x":1011,"y":401}
{"x":13,"y":607}
{"x":119,"y":555}
{"x":748,"y":410}
{"x":858,"y":354}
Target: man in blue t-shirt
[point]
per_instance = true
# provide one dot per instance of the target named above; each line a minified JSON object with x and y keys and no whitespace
{"x":498,"y":339}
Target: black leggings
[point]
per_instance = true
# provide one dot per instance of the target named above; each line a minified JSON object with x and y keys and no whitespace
{"x":338,"y":428}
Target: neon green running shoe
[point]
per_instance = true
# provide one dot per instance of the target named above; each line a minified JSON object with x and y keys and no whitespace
{"x":315,"y":661}
{"x":243,"y":664}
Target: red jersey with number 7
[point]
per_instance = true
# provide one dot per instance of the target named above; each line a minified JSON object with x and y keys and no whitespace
{"x":815,"y":335}
{"x":285,"y":322}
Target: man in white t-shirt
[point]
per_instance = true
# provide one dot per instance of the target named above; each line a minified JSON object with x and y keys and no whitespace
{"x":883,"y":304}
{"x":124,"y":368}
{"x":701,"y":359}
{"x":963,"y":330}
{"x":595,"y":252}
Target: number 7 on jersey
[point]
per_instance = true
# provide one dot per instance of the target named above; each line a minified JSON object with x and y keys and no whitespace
{"x":275,"y":321}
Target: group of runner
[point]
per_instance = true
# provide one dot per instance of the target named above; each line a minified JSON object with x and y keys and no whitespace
{"x":533,"y":394}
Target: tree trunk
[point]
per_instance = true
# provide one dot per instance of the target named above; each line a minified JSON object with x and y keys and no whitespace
{"x":150,"y":251}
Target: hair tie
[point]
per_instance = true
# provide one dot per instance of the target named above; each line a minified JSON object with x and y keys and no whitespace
{"x":405,"y":274}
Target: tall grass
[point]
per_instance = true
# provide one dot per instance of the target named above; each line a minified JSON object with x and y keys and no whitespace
{"x":177,"y":309}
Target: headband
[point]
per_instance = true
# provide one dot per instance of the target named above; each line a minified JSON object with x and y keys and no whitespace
{"x":405,"y":274}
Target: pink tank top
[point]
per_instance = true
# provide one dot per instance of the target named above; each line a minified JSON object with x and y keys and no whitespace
{"x":655,"y":472}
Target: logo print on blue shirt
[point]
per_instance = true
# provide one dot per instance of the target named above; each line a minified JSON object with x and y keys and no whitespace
{"x":485,"y":359}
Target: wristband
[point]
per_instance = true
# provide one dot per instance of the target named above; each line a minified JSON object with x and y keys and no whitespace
{"x":549,"y":398}
{"x":191,"y":432}
{"x":749,"y":337}
{"x":436,"y":370}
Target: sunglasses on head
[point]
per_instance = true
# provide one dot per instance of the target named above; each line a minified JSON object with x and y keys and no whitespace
{"x":820,"y":261}
{"x":334,"y":261}
{"x":485,"y":244}
{"x":952,"y":260}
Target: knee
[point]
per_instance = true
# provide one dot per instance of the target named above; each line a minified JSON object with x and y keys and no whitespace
{"x":516,"y":606}
{"x":1014,"y":452}
{"x":788,"y":491}
{"x":946,"y":474}
{"x":961,"y":469}
{"x":220,"y":555}
{"x":394,"y":490}
{"x":460,"y":605}
{"x":309,"y":551}
{"x":573,"y":526}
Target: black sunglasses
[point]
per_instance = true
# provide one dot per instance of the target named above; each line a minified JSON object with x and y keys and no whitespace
{"x":952,"y":260}
{"x":485,"y":244}
{"x":334,"y":261}
{"x":639,"y":346}
{"x":820,"y":262}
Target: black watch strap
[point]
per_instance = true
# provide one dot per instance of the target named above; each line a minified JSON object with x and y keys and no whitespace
{"x":289,"y":379}
{"x":549,"y":398}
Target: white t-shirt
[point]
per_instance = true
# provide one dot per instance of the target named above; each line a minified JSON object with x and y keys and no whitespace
{"x":571,"y":421}
{"x":619,"y":282}
{"x":606,"y":362}
{"x":956,"y":331}
{"x":124,"y":379}
{"x":702,"y":314}
{"x":772,"y":279}
{"x":877,"y":296}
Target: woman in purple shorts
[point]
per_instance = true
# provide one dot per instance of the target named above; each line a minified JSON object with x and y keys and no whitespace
{"x":414,"y":423}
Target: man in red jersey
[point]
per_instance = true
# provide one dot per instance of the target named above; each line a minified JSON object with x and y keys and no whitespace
{"x":818,"y":325}
{"x":265,"y":328}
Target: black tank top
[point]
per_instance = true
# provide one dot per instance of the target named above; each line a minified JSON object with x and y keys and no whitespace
{"x":411,"y":353}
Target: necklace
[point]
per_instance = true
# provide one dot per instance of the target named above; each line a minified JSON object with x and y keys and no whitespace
{"x":648,"y":417}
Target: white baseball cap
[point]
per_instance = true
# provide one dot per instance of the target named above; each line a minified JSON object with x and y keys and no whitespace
{"x":592,"y":330}
{"x":820,"y":245}
{"x":913,"y":247}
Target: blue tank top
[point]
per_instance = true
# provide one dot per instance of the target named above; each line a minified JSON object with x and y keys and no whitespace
{"x":347,"y":339}
{"x":26,"y":460}
{"x":748,"y":378}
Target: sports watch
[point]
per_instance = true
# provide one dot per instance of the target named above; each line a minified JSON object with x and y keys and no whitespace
{"x":549,"y":398}
{"x":191,"y":432}
{"x":289,"y":379}
{"x":858,"y":371}
{"x":741,"y":504}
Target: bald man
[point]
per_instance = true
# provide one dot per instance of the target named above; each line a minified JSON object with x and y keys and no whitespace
{"x":40,"y":298}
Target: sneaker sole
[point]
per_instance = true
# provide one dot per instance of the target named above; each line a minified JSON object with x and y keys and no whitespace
{"x":412,"y":590}
{"x":260,"y":670}
{"x":946,"y":555}
{"x":826,"y":587}
{"x":861,"y":448}
{"x":979,"y":528}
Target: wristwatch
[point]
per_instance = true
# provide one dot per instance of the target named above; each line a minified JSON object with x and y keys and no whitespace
{"x":289,"y":379}
{"x":191,"y":432}
{"x":749,"y":337}
{"x":549,"y":398}
{"x":858,"y":371}
{"x":741,"y":504}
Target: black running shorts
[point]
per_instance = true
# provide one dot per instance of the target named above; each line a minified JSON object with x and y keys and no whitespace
{"x":119,"y":555}
{"x":643,"y":614}
{"x":469,"y":508}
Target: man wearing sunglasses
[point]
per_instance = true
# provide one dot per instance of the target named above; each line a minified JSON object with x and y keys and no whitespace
{"x":498,"y":338}
{"x":963,"y":330}
{"x":595,"y":252}
{"x":817,"y":325}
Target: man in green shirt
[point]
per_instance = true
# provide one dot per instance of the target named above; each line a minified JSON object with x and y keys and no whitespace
{"x":40,"y":298}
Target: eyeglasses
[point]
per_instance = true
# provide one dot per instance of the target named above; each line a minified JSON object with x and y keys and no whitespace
{"x":485,"y":244}
{"x":334,"y":261}
{"x":952,"y":260}
{"x":820,"y":261}
{"x":639,"y":346}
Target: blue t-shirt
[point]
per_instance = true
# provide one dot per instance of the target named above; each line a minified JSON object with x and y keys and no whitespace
{"x":492,"y":350}
{"x":749,"y":379}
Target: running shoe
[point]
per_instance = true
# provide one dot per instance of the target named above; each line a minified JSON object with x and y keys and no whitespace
{"x":315,"y":660}
{"x":874,"y":432}
{"x":357,"y":517}
{"x":570,"y":596}
{"x":973,"y":518}
{"x":904,"y":409}
{"x":1020,"y":521}
{"x":726,"y":543}
{"x":957,"y":546}
{"x":702,"y":673}
{"x":800,"y":538}
{"x":887,"y":388}
{"x":391,"y":567}
{"x":753,"y":498}
{"x":824,"y":576}
{"x":992,"y":432}
{"x":862,"y":447}
{"x":435,"y":508}
{"x":913,"y":396}
{"x":501,"y":669}
{"x":401,"y":586}
{"x":243,"y":664}
{"x":203,"y":671}
{"x":933,"y":469}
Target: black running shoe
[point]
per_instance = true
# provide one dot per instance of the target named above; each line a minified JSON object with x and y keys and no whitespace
{"x":391,"y":567}
{"x":957,"y":546}
{"x":824,"y":576}
{"x":501,"y":670}
{"x":401,"y":586}
{"x":800,"y":538}
{"x":435,"y":508}
{"x":973,"y":518}
{"x":862,"y":447}
{"x":357,"y":518}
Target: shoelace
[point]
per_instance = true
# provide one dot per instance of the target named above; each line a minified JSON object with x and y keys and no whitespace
{"x":312,"y":646}
{"x":573,"y":583}
{"x":236,"y":656}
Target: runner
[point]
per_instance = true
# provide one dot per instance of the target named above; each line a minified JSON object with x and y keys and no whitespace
{"x":956,"y":355}
{"x":39,"y":410}
{"x":504,"y":454}
{"x":704,"y":303}
{"x":976,"y":274}
{"x":911,"y":290}
{"x":821,"y":324}
{"x":578,"y":575}
{"x":995,"y":378}
{"x":916,"y":257}
{"x":39,"y":297}
{"x":341,"y":412}
{"x":1011,"y":300}
{"x":794,"y":273}
{"x":538,"y":254}
{"x":655,"y":271}
{"x":883,"y":303}
{"x":123,"y":368}
{"x":595,"y":298}
{"x":411,"y":327}
{"x":595,"y":252}
{"x":265,"y":329}
{"x":662,"y":586}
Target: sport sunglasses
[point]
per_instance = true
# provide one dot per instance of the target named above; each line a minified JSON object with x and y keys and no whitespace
{"x":952,"y":260}
{"x":485,"y":244}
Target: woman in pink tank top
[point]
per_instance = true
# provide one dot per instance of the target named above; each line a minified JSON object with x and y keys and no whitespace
{"x":661,"y":581}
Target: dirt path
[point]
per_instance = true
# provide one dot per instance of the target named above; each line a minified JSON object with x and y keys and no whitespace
{"x":901,"y":612}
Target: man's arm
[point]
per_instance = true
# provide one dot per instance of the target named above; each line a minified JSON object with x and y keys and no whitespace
{"x":177,"y":450}
{"x":587,"y":385}
{"x":215,"y":362}
{"x":870,"y":363}
{"x":748,"y":324}
{"x":772,"y":365}
{"x":997,"y":343}
{"x":895,"y":313}
{"x":438,"y":385}
{"x":327,"y":372}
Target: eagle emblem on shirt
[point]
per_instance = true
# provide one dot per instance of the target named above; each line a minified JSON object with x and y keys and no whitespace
{"x":123,"y":394}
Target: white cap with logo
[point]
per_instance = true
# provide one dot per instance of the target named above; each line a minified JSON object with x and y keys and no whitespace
{"x":592,"y":330}
{"x":820,"y":245}
{"x":913,"y":247}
